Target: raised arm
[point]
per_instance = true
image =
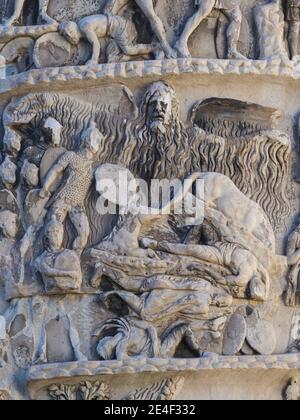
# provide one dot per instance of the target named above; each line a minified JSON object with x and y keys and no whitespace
{"x":18,"y":8}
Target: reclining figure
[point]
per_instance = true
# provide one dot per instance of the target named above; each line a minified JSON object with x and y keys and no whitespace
{"x":94,"y":28}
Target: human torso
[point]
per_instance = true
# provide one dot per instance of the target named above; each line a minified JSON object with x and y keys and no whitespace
{"x":79,"y":178}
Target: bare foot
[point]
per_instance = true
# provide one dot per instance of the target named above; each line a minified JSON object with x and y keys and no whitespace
{"x":8,"y":22}
{"x":235,"y":55}
{"x":170,"y":53}
{"x":182,"y":50}
{"x":92,"y":63}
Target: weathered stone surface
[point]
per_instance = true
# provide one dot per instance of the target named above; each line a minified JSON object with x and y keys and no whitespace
{"x":235,"y":335}
{"x":260,"y":335}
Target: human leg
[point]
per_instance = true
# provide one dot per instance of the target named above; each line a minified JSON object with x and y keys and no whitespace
{"x":170,"y":303}
{"x":75,"y":340}
{"x":205,"y":8}
{"x":39,"y":316}
{"x":233,"y":32}
{"x":82,"y":227}
{"x":171,"y":339}
{"x":157,"y":26}
{"x":43,"y":10}
{"x":19,"y":4}
{"x":192,"y":341}
{"x":292,"y":278}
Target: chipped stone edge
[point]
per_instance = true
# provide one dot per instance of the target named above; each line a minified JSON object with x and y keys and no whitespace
{"x":143,"y":365}
{"x":137,"y":69}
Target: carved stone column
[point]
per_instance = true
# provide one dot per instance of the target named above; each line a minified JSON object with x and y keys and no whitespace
{"x":149,"y":238}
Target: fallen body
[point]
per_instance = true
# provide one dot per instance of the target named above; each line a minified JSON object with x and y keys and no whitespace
{"x":134,"y":337}
{"x":161,"y":297}
{"x":124,"y":240}
{"x":97,"y":27}
{"x":241,"y":262}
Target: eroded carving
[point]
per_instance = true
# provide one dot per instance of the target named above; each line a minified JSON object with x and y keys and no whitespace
{"x":269,"y":19}
{"x":114,"y":6}
{"x":3,"y":341}
{"x":86,"y":391}
{"x":62,"y":393}
{"x":292,"y":391}
{"x":232,"y":258}
{"x":69,"y":200}
{"x":232,"y":11}
{"x":166,"y":291}
{"x":66,"y":40}
{"x":187,"y":276}
{"x":166,"y":390}
{"x":293,"y":253}
{"x":18,"y":8}
{"x":130,"y":337}
{"x":94,"y":28}
{"x":293,"y":19}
